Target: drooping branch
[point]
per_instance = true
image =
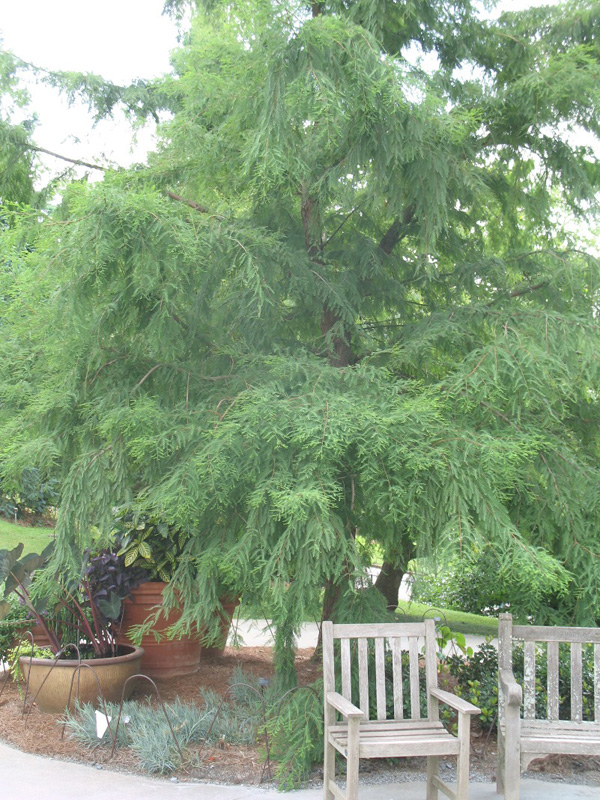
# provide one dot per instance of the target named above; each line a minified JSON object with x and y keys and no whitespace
{"x":528,"y":289}
{"x":80,"y":163}
{"x":77,"y":161}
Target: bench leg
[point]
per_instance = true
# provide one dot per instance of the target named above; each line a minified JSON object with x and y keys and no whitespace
{"x":352,"y":760}
{"x":512,"y":775}
{"x":463,"y":758}
{"x":433,"y":769}
{"x":500,"y":764}
{"x":328,"y":769}
{"x":511,"y":755}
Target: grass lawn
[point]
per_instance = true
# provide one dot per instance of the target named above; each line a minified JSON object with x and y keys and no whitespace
{"x":457,"y":621}
{"x":34,"y":539}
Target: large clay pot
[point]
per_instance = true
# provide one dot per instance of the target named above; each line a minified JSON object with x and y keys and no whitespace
{"x":216,"y":649}
{"x":167,"y":657}
{"x":52,"y":683}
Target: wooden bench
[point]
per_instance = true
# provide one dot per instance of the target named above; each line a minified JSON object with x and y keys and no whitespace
{"x":523,"y":734}
{"x":363,"y":673}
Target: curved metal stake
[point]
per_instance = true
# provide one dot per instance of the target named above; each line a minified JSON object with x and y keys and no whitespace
{"x":160,"y":700}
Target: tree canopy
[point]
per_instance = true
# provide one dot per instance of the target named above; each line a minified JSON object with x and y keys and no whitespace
{"x":346,"y":301}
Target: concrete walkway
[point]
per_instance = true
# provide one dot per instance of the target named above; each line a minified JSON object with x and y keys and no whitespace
{"x":24,"y":776}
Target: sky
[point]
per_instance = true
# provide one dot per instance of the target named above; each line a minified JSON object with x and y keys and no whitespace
{"x":118,"y":39}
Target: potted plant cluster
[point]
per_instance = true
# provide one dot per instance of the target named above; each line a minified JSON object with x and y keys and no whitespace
{"x":149,"y":543}
{"x":81,"y":621}
{"x":146,"y":542}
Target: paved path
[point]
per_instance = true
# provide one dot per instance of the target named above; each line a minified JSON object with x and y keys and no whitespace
{"x":23,"y":777}
{"x":257,"y":633}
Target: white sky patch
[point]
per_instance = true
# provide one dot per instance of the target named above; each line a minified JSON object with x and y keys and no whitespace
{"x":119,"y":39}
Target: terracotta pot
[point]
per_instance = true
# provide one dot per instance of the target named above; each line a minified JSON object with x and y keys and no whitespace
{"x":51,"y":684}
{"x":216,"y":650}
{"x":40,"y":637}
{"x":167,"y":657}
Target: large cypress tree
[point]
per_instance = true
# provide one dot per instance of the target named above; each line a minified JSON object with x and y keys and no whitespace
{"x":345,"y":301}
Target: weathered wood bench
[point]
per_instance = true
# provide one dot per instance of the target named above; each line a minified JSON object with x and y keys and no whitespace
{"x":523,"y":734}
{"x":354,"y":671}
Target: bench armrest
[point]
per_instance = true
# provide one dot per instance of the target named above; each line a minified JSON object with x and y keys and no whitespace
{"x":345,"y":707}
{"x":457,"y":703}
{"x":511,"y":690}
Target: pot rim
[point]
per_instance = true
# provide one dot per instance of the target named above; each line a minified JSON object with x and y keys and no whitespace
{"x":133,"y":654}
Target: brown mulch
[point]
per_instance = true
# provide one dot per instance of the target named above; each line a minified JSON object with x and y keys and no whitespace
{"x":41,"y":733}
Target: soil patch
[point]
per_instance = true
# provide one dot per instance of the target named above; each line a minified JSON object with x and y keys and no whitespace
{"x":231,"y":764}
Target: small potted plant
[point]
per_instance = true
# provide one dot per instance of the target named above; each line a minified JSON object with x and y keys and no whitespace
{"x":82,"y":622}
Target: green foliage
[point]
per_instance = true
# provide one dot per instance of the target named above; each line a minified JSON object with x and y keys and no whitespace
{"x":33,"y":494}
{"x":295,"y":734}
{"x":28,"y":649}
{"x":147,"y":543}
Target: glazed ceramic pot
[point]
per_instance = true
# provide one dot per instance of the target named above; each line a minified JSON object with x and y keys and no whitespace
{"x":54,"y":685}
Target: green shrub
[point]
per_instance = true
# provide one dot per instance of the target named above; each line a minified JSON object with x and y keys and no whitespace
{"x":33,"y":494}
{"x":295,"y":731}
{"x":11,"y":625}
{"x":477,"y":680}
{"x":477,"y":583}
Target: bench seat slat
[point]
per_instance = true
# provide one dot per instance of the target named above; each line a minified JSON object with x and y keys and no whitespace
{"x":415,"y":740}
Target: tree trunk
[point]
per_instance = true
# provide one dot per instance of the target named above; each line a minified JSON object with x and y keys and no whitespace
{"x":388,"y":582}
{"x":330,"y":598}
{"x":395,"y":564}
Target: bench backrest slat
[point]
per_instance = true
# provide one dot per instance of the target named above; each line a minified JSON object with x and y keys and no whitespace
{"x":553,"y":686}
{"x":346,"y":669}
{"x":597,"y":681}
{"x":363,"y":677}
{"x":529,"y":680}
{"x":380,"y":678}
{"x":397,"y":679}
{"x":576,"y":682}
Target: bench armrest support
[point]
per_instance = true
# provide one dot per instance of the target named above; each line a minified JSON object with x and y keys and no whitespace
{"x":511,"y":690}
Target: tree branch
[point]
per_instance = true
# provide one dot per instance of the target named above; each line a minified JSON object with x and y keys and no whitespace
{"x":191,"y":203}
{"x":397,"y":230}
{"x":528,"y":289}
{"x":76,"y":161}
